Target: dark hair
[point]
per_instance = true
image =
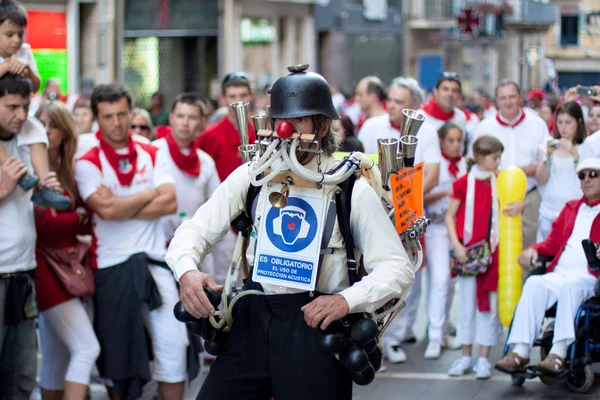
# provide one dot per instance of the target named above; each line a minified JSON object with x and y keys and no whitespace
{"x":347,"y":124}
{"x":14,"y":12}
{"x":376,"y":87}
{"x":483,"y":146}
{"x":574,"y":110}
{"x":444,"y":129}
{"x":235,"y":79}
{"x":448,"y":76}
{"x":191,"y":99}
{"x":15,"y":84}
{"x":507,"y":82}
{"x":110,"y":93}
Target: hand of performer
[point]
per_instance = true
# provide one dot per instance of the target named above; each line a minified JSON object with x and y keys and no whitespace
{"x":192,"y":295}
{"x":323,"y":310}
{"x":528,"y":258}
{"x":51,"y":181}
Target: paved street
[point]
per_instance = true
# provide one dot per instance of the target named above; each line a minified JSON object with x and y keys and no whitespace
{"x":427,"y":379}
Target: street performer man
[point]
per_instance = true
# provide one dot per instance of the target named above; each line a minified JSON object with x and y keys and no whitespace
{"x":272,"y":348}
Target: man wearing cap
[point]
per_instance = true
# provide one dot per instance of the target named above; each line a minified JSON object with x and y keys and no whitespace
{"x":534,"y":101}
{"x":568,"y":280}
{"x":441,"y":107}
{"x":272,"y":349}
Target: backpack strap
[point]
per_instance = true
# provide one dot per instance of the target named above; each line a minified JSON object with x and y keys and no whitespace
{"x":343,"y":208}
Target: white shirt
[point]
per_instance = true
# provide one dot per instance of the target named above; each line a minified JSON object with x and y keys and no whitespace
{"x":390,"y":272}
{"x":24,"y":55}
{"x":32,"y":132}
{"x":459,"y":118}
{"x":521,"y":143}
{"x":428,"y":147}
{"x":590,"y":148}
{"x":489,"y":112}
{"x":572,"y":260}
{"x":87,"y":141}
{"x":470,"y":128}
{"x":562,"y":185}
{"x":191,"y":192}
{"x":116,"y":241}
{"x":445,"y":183}
{"x":17,"y":224}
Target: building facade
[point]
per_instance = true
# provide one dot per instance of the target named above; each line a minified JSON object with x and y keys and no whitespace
{"x":574,"y":43}
{"x":504,"y":34}
{"x":359,"y":38}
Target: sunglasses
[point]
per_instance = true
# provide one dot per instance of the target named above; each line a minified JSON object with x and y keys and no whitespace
{"x":590,"y":174}
{"x":141,"y":127}
{"x":235,"y":75}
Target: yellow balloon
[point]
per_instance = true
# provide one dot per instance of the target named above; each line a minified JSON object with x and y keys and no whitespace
{"x":511,"y":185}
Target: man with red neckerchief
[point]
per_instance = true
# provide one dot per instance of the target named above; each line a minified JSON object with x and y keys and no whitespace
{"x":568,"y":281}
{"x":221,"y":140}
{"x":441,"y":107}
{"x":193,"y":170}
{"x":522,"y":135}
{"x":127,"y":188}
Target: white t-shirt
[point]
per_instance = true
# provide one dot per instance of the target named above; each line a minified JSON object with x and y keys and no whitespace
{"x":25,"y":55}
{"x":115,"y":241}
{"x":572,"y":260}
{"x":32,"y":132}
{"x":445,"y":183}
{"x":192,"y":192}
{"x":428,"y":148}
{"x":590,"y":148}
{"x":459,"y":118}
{"x":87,"y":141}
{"x":562,"y":186}
{"x":17,"y":224}
{"x":470,"y":129}
{"x":521,"y":143}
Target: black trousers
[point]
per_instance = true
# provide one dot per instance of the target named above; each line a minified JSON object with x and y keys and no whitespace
{"x":272,"y":352}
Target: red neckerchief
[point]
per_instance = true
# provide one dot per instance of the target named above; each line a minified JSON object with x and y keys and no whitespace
{"x":162,"y":131}
{"x":124,"y":164}
{"x":432,"y":108}
{"x":488,"y":105}
{"x":396,"y":127}
{"x":188,"y":163}
{"x":453,"y":166}
{"x":585,"y":201}
{"x":468,"y":114}
{"x":361,"y":120}
{"x":511,"y":124}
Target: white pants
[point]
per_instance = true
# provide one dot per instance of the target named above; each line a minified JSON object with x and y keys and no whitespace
{"x":69,"y":345}
{"x":169,"y":336}
{"x":438,"y":279}
{"x":399,"y":329}
{"x":539,"y":294}
{"x":475,"y":326}
{"x":544,"y":226}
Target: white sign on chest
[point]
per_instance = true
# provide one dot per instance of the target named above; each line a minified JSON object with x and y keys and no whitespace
{"x":289,"y":241}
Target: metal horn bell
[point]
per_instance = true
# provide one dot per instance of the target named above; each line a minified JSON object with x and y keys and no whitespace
{"x":280,"y":199}
{"x":409,"y":148}
{"x":240,"y":113}
{"x":412,"y":121}
{"x":259,"y":122}
{"x":387,"y":149}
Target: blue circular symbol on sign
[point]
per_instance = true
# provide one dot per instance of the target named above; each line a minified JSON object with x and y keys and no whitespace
{"x":292,"y":228}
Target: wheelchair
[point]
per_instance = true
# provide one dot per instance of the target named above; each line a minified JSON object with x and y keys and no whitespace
{"x":584,"y":351}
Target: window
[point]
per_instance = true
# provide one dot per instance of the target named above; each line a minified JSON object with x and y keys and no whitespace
{"x":569,"y":30}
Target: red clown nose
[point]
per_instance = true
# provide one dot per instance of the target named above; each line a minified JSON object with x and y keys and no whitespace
{"x":284,"y":130}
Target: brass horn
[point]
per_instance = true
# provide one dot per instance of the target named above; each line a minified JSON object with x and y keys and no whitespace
{"x":240,"y":113}
{"x":387,"y":149}
{"x":280,"y":199}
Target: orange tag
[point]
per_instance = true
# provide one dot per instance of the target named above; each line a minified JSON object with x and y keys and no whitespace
{"x":407,"y":195}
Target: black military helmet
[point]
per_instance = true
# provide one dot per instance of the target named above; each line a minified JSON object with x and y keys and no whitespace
{"x":301,"y":94}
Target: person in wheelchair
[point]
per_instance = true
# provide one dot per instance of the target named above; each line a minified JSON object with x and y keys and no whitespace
{"x":568,"y":280}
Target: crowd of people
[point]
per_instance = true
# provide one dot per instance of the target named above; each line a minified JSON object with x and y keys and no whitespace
{"x":92,"y":196}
